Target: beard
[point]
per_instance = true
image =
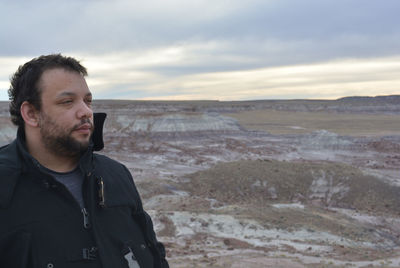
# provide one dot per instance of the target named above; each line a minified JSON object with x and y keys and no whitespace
{"x":59,"y":140}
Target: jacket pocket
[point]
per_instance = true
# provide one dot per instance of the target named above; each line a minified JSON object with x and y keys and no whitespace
{"x":137,"y":256}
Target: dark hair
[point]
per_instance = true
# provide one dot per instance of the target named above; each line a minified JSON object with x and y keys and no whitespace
{"x":24,"y":83}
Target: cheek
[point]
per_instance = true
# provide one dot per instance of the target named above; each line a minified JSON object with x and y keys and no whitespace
{"x":60,"y":124}
{"x":65,"y":119}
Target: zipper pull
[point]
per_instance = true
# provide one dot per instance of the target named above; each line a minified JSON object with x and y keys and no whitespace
{"x":102,"y":200}
{"x":86,"y":223}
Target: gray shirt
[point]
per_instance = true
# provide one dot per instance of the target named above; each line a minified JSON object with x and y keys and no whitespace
{"x":72,"y":180}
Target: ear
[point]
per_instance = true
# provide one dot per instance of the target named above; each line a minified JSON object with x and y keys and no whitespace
{"x":30,"y":114}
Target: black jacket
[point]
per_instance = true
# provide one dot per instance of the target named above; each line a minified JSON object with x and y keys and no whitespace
{"x":43,"y":226}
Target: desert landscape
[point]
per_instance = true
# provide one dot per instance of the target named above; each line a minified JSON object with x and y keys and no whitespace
{"x":269,"y":183}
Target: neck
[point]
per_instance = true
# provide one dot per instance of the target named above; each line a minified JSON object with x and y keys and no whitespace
{"x":48,"y":158}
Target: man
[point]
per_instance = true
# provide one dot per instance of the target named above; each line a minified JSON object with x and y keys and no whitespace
{"x":61,"y":205}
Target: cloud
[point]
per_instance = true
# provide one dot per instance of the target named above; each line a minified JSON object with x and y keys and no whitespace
{"x":149,"y":74}
{"x":103,"y":26}
{"x":122,"y":25}
{"x":331,"y":79}
{"x":138,"y":47}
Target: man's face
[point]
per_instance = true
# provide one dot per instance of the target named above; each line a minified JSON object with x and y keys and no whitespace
{"x":66,"y":117}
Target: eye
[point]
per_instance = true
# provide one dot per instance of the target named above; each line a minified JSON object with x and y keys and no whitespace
{"x":68,"y":101}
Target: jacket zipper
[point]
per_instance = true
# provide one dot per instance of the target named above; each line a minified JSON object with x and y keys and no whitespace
{"x":86,"y":222}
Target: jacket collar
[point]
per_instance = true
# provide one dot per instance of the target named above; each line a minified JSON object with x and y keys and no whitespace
{"x":15,"y":159}
{"x":96,"y":143}
{"x":97,"y":137}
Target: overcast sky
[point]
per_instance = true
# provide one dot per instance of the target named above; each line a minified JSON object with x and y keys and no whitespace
{"x":212,"y":49}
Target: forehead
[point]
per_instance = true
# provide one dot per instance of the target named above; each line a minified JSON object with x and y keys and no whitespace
{"x":54,"y":82}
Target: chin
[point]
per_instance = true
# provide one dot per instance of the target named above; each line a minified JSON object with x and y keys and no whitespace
{"x":84,"y":143}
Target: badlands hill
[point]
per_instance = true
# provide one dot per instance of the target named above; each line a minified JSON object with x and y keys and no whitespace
{"x":274,"y":183}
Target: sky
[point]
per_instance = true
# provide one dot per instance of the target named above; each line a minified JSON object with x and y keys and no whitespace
{"x":212,"y":49}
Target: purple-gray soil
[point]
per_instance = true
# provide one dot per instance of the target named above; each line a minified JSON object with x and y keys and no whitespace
{"x":266,"y":183}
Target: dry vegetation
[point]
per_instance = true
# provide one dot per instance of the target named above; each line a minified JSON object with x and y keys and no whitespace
{"x":257,"y":183}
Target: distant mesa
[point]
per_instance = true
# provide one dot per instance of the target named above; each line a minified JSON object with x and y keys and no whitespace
{"x":386,"y":99}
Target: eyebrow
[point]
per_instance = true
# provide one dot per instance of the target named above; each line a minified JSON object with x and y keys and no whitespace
{"x":71,"y":94}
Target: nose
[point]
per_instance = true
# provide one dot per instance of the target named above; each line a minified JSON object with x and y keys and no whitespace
{"x":84,"y":110}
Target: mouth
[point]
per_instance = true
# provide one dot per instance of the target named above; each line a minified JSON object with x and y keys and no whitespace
{"x":84,"y":128}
